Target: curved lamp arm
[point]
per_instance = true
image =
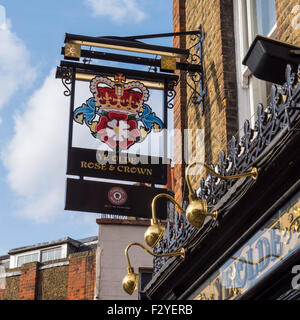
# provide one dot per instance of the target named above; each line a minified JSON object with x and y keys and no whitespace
{"x":171,"y":254}
{"x":130,"y":281}
{"x":155,"y":231}
{"x":161,"y":195}
{"x":253,"y":173}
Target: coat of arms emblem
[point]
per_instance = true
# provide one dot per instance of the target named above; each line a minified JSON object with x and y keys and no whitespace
{"x":117,"y":113}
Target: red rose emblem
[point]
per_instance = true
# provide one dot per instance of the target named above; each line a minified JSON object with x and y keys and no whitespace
{"x":116,"y":130}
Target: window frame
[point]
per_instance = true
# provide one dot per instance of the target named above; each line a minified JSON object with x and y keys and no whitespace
{"x":143,"y":270}
{"x":251,"y":91}
{"x":51,"y":249}
{"x":25,"y":255}
{"x":13,"y":261}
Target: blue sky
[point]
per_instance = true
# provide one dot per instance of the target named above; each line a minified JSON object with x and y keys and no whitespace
{"x":34,"y":111}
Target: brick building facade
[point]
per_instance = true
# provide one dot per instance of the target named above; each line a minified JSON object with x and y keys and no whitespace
{"x":87,"y":269}
{"x":69,"y":278}
{"x":247,"y":122}
{"x":220,"y":102}
{"x":222,"y":117}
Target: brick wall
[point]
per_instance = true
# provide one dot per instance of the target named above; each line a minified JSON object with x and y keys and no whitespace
{"x":81,"y":276}
{"x":219,"y":121}
{"x":62,"y":279}
{"x":179,"y":25}
{"x":52,"y":283}
{"x":288,"y":21}
{"x":11,"y":291}
{"x":28,"y":280}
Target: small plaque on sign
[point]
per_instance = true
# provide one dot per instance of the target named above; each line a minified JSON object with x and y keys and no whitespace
{"x":73,"y":50}
{"x":117,"y":196}
{"x":167,"y":63}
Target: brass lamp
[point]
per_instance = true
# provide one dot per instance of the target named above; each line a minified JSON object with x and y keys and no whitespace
{"x":130,"y":281}
{"x":154,"y":233}
{"x":197,"y":211}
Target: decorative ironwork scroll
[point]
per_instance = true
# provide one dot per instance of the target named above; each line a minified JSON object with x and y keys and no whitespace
{"x":176,"y":232}
{"x":171,"y":93}
{"x":66,"y":80}
{"x":280,"y":114}
{"x":197,"y":86}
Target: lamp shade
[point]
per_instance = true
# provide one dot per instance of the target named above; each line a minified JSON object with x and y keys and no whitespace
{"x":267,"y":59}
{"x":130,"y":282}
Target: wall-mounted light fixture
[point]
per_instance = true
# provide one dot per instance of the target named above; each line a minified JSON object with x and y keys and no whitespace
{"x":130,"y":281}
{"x":154,"y":233}
{"x":197,"y":211}
{"x":265,"y":53}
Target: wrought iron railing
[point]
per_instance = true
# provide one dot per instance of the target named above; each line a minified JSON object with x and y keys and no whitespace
{"x":281,"y":112}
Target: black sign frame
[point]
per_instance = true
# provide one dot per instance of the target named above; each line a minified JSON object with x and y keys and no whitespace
{"x":77,"y":166}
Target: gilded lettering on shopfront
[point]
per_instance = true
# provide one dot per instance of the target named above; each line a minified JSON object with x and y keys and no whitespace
{"x":119,"y":168}
{"x":262,"y":253}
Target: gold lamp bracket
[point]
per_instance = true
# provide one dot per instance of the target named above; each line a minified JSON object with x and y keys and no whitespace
{"x":155,"y":232}
{"x":130,"y":281}
{"x":197,"y":210}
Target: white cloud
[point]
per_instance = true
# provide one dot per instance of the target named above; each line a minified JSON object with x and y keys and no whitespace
{"x":2,"y":18}
{"x":120,"y":11}
{"x":15,"y":69}
{"x":36,"y":156}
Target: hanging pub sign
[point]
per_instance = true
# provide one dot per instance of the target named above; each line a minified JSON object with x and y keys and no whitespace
{"x":113,"y":121}
{"x":117,"y":115}
{"x":111,"y":198}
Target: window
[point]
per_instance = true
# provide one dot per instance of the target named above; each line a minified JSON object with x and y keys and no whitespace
{"x":51,"y":254}
{"x":145,"y":277}
{"x":251,"y":17}
{"x":27,"y":258}
{"x":266,"y":16}
{"x":38,"y":255}
{"x":4,"y":264}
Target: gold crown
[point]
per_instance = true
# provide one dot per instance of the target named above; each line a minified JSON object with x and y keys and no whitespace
{"x":118,"y":95}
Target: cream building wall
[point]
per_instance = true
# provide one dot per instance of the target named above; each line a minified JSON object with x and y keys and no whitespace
{"x":114,"y":236}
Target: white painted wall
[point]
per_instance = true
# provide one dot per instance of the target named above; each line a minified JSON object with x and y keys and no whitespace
{"x":113,"y":240}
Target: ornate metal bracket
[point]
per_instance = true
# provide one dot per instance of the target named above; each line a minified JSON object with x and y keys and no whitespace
{"x":66,"y":80}
{"x":196,"y":76}
{"x":171,"y":93}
